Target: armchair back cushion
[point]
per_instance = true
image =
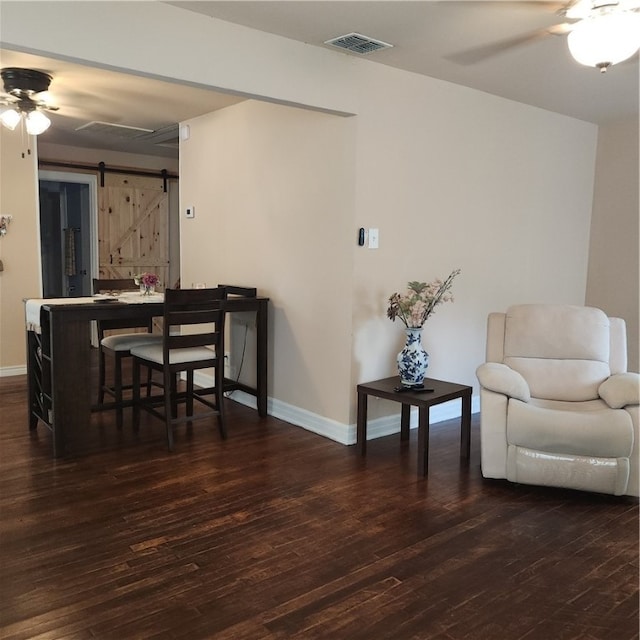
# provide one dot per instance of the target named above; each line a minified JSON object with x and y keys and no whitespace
{"x":562,"y":351}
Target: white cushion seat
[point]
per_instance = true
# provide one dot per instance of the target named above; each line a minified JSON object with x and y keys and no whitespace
{"x":125,"y":341}
{"x":117,"y":346}
{"x":154,"y":353}
{"x":602,"y":432}
{"x":200,"y":313}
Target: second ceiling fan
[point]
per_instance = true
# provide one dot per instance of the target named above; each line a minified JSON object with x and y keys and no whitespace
{"x":600,"y":33}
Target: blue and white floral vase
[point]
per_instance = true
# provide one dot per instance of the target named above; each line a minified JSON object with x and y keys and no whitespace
{"x":413,"y":360}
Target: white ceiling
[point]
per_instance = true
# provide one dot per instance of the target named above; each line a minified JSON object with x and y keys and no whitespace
{"x":429,"y":38}
{"x":85,"y":94}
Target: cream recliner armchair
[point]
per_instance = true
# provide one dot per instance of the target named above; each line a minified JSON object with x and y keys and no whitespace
{"x":558,"y":407}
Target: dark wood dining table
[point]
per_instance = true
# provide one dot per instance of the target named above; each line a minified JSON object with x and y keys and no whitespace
{"x":59,"y":361}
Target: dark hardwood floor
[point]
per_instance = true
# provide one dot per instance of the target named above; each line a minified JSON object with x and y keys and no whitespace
{"x":281,"y":534}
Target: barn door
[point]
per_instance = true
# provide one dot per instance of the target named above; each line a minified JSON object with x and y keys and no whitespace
{"x":133,"y":221}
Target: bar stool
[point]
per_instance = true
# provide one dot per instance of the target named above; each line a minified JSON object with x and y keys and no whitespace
{"x":118,"y":346}
{"x":201,"y":312}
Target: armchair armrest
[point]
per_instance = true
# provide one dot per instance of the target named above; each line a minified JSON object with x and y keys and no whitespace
{"x":620,"y":390}
{"x":502,"y":379}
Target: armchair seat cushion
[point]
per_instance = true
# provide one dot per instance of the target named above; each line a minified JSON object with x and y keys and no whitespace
{"x":589,"y":430}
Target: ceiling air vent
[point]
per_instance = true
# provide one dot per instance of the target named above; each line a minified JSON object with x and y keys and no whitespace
{"x":357,"y":43}
{"x":163,"y":137}
{"x":117,"y":130}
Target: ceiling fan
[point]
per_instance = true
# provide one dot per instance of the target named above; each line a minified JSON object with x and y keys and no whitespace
{"x":600,"y":33}
{"x":26,"y":99}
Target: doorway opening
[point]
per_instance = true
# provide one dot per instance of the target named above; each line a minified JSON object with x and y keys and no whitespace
{"x":68,"y":233}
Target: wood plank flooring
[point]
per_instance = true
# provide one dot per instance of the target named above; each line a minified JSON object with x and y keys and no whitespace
{"x":281,"y":534}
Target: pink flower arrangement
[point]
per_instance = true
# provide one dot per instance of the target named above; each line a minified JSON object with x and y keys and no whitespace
{"x":148,"y":280}
{"x":420,"y":301}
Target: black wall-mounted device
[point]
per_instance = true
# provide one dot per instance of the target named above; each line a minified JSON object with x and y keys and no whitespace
{"x":361,"y":237}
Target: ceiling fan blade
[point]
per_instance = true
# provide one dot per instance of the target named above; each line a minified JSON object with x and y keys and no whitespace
{"x":561,"y":29}
{"x":45,"y":105}
{"x":483,"y":52}
{"x":551,"y":6}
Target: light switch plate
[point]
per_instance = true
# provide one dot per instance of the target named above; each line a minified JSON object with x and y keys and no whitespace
{"x":191,"y":212}
{"x":373,"y":238}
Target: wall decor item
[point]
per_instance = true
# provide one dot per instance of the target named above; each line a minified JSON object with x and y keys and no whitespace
{"x":4,"y":224}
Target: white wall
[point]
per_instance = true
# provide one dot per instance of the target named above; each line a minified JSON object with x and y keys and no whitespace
{"x":19,"y":248}
{"x":160,"y":40}
{"x":613,"y":283}
{"x":273,"y":193}
{"x":457,"y":178}
{"x":497,"y":188}
{"x":450,"y":176}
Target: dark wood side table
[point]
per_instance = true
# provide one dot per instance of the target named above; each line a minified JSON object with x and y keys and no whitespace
{"x":442,"y":392}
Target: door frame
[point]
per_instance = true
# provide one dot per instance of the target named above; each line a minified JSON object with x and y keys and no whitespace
{"x":92,"y":182}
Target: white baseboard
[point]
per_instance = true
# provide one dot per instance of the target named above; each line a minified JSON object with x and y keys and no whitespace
{"x":345,"y":433}
{"x":19,"y":370}
{"x":337,"y":431}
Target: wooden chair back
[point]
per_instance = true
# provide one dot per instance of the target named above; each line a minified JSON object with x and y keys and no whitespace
{"x":202,"y":310}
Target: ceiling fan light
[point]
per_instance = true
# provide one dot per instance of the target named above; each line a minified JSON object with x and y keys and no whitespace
{"x":10,"y":118}
{"x":37,"y":123}
{"x":604,"y":40}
